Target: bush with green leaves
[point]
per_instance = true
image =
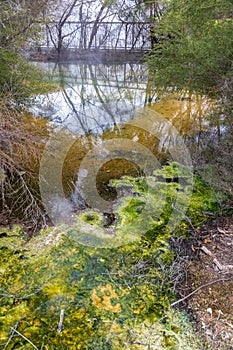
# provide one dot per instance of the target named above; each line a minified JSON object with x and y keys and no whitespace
{"x":20,"y":80}
{"x":195,"y":48}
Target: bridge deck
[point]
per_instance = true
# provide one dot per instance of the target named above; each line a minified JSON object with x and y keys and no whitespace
{"x":101,"y":55}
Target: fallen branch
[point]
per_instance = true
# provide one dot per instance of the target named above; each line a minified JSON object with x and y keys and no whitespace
{"x":11,"y":336}
{"x":215,"y":260}
{"x":60,"y":324}
{"x":201,"y":287}
{"x":25,"y":338}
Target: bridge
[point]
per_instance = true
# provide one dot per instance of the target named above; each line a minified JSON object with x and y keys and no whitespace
{"x":82,"y":39}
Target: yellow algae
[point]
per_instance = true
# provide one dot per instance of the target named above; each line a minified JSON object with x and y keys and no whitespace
{"x":18,"y":286}
{"x":115,"y":328}
{"x":139,"y":309}
{"x":55,"y":289}
{"x":104,"y":302}
{"x":79,"y":314}
{"x":91,"y":217}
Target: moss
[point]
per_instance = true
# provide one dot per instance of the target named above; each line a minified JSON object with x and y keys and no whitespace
{"x":115,"y":291}
{"x":175,"y":332}
{"x":12,"y":238}
{"x":91,"y":217}
{"x":94,"y":286}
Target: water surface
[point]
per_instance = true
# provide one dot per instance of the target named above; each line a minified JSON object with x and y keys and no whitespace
{"x":109,"y":121}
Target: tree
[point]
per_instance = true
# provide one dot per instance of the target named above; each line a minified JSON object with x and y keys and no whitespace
{"x":195,"y":47}
{"x":19,"y":156}
{"x":19,"y":25}
{"x":195,"y":52}
{"x":20,"y":21}
{"x":100,"y":16}
{"x":142,"y":11}
{"x":83,"y":17}
{"x":56,"y":29}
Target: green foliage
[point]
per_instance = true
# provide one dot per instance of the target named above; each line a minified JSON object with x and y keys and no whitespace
{"x":21,"y":21}
{"x":19,"y":79}
{"x":196,"y":45}
{"x":20,"y":24}
{"x":10,"y":64}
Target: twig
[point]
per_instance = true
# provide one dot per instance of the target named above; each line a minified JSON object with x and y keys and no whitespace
{"x":136,"y":343}
{"x":227,"y":323}
{"x":60,"y":324}
{"x":21,"y":335}
{"x":201,"y":287}
{"x":215,"y":260}
{"x":10,"y":337}
{"x":109,"y":333}
{"x":7,"y":295}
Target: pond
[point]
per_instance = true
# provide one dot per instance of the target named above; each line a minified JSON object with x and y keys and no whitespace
{"x":109,"y":121}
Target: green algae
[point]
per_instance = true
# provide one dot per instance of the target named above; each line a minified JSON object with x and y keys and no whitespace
{"x":95,"y":287}
{"x":113,"y":296}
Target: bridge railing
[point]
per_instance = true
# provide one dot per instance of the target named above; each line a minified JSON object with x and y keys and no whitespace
{"x":127,"y":36}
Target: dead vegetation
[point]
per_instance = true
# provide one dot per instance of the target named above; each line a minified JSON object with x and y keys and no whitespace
{"x":20,"y":149}
{"x":206,"y":289}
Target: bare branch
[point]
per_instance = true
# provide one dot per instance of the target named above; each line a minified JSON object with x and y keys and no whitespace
{"x":220,"y":280}
{"x":25,"y":338}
